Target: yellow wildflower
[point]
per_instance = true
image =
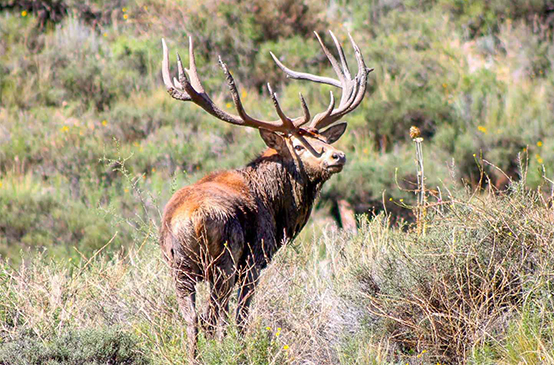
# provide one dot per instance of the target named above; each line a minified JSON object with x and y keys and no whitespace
{"x":65,"y":128}
{"x":24,"y":13}
{"x":105,"y":34}
{"x":482,"y":129}
{"x":540,"y":160}
{"x":125,"y":16}
{"x":243,"y":94}
{"x":104,"y":122}
{"x":286,"y":347}
{"x":228,"y":105}
{"x":539,"y":143}
{"x":268,"y":328}
{"x":124,"y":10}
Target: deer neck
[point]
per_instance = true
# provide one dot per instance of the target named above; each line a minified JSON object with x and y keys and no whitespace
{"x":285,"y":190}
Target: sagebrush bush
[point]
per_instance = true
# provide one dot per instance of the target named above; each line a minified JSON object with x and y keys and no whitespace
{"x":89,"y":346}
{"x":461,"y":284}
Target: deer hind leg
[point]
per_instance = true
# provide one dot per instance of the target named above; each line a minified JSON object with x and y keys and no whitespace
{"x":222,"y":283}
{"x":222,"y":273}
{"x":185,"y":282}
{"x":248,"y":279}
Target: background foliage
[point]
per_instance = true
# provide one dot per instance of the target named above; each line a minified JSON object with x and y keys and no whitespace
{"x":91,"y":147}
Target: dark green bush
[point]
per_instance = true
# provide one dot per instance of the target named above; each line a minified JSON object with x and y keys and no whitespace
{"x":109,"y":345}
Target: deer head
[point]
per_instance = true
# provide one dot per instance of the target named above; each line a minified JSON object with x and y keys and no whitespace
{"x":303,"y":138}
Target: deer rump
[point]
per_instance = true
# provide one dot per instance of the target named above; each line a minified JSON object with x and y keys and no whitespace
{"x":209,"y":225}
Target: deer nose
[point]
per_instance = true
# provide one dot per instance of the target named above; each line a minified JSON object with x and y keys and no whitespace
{"x":338,"y":156}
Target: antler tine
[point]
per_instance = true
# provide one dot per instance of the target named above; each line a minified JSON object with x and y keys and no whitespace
{"x":343,"y":62}
{"x":331,"y":59}
{"x":180,"y":73}
{"x":286,"y":121}
{"x":325,"y":114}
{"x":360,"y":83}
{"x":303,"y":75}
{"x":234,"y":92}
{"x":192,"y":72}
{"x":306,"y":118}
{"x":289,"y":123}
{"x":285,"y":126}
{"x":171,"y":89}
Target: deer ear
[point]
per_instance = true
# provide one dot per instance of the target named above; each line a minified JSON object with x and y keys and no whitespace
{"x":333,"y":133}
{"x":273,"y":140}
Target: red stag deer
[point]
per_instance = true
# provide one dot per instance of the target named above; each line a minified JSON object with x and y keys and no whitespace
{"x":226,"y":227}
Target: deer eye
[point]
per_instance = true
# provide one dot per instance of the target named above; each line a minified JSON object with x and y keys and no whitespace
{"x":299,"y":147}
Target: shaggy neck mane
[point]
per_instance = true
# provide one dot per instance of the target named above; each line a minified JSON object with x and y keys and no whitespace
{"x":285,"y":188}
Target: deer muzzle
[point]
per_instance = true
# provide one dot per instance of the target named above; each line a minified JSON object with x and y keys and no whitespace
{"x":336,"y":161}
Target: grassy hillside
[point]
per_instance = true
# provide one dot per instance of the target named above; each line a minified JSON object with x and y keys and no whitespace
{"x":91,"y":148}
{"x":476,"y":287}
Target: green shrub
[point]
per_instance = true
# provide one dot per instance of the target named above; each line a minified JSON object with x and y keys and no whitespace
{"x":110,"y":345}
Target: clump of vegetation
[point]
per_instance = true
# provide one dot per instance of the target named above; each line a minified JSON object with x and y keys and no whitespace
{"x":483,"y":262}
{"x":89,"y":346}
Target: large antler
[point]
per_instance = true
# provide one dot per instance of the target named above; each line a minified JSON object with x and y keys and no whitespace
{"x":353,"y":89}
{"x":185,"y":90}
